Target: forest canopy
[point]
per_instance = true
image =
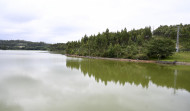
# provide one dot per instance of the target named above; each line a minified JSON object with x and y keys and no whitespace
{"x":135,"y":44}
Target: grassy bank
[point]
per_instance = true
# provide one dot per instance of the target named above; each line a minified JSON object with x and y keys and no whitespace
{"x":171,"y":60}
{"x":181,"y":57}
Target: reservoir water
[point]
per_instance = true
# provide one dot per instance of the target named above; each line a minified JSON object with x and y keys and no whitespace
{"x":41,"y":81}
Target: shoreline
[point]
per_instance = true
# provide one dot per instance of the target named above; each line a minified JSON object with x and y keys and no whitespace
{"x":132,"y":60}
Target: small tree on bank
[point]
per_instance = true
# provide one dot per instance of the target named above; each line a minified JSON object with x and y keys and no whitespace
{"x":161,"y":48}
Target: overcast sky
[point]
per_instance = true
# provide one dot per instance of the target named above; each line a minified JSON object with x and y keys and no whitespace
{"x":55,"y":21}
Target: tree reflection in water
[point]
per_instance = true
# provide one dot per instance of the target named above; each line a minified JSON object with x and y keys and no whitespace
{"x":170,"y":76}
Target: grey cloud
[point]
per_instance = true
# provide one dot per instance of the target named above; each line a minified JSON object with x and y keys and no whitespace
{"x":14,"y":12}
{"x":60,"y":20}
{"x":64,"y":30}
{"x":9,"y":107}
{"x":19,"y":18}
{"x":16,"y":36}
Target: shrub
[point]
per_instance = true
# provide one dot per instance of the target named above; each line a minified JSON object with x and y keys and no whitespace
{"x":161,"y":48}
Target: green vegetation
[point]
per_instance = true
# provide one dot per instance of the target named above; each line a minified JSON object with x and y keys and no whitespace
{"x":171,"y":33}
{"x":181,"y":56}
{"x":22,"y":45}
{"x":161,"y":48}
{"x":134,"y":44}
{"x":121,"y":44}
{"x":58,"y":48}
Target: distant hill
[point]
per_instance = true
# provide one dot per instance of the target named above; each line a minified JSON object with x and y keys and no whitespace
{"x":22,"y":45}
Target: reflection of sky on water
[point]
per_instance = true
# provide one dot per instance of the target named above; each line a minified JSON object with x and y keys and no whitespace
{"x":42,"y":82}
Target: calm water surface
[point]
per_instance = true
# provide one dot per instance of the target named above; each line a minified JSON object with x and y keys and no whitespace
{"x":40,"y":81}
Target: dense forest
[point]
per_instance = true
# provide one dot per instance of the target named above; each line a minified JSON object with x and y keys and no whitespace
{"x":134,"y":44}
{"x":22,"y":45}
{"x":113,"y":44}
{"x":58,"y":48}
{"x":171,"y":32}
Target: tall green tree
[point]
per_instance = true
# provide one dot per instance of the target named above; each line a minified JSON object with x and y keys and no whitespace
{"x":161,"y":48}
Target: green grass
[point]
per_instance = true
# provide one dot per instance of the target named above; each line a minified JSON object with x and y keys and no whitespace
{"x":180,"y":56}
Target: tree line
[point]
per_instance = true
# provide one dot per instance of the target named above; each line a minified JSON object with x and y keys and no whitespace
{"x":134,"y":44}
{"x":120,"y":44}
{"x":22,"y":45}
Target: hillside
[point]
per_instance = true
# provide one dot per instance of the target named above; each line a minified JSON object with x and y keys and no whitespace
{"x":22,"y":45}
